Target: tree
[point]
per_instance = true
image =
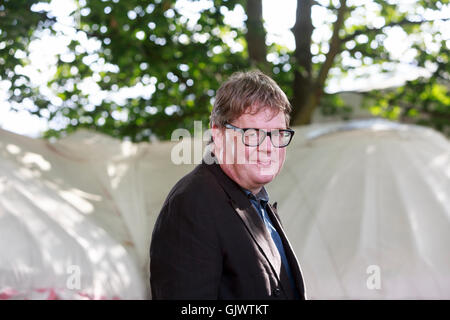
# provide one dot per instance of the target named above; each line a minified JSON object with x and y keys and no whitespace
{"x":179,"y":61}
{"x":19,"y":22}
{"x":362,"y":42}
{"x":424,"y":101}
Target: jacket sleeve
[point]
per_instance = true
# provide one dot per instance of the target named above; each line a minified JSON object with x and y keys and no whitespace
{"x":185,"y":255}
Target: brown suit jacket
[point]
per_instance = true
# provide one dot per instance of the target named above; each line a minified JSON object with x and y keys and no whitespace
{"x":209,"y":242}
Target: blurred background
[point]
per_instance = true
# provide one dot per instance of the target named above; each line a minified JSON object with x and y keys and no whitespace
{"x":139,"y":69}
{"x":90,"y":90}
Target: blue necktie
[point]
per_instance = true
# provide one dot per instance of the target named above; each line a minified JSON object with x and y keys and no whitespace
{"x":260,"y":206}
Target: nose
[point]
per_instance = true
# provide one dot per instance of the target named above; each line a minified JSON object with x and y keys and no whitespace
{"x":266,"y":146}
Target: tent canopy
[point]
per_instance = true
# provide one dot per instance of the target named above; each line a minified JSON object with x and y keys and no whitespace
{"x":365,"y":204}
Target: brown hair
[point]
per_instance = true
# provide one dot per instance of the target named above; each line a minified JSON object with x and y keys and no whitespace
{"x":248,"y":91}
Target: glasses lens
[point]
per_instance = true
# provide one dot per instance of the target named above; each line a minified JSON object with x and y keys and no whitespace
{"x":281,"y":138}
{"x":252,"y":137}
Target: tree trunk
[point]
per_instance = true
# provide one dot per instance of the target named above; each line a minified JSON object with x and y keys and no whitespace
{"x":302,"y":64}
{"x":256,"y":35}
{"x":308,"y":91}
{"x":311,"y":101}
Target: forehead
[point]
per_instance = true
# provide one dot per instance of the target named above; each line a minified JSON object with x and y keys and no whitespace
{"x":264,"y":118}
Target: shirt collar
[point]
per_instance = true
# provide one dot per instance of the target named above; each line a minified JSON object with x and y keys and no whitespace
{"x":261,"y":196}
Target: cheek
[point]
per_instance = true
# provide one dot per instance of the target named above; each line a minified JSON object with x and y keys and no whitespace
{"x":278,"y":155}
{"x":282,"y":155}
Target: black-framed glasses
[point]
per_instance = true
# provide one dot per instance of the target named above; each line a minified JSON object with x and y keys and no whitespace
{"x":253,"y":137}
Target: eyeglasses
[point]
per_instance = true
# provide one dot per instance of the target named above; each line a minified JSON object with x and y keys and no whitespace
{"x":252,"y":137}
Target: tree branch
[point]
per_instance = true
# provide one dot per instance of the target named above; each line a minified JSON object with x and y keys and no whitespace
{"x":332,"y":8}
{"x":392,"y":24}
{"x":335,"y":46}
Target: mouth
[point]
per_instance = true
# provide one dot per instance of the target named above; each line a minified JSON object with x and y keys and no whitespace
{"x":265,"y":163}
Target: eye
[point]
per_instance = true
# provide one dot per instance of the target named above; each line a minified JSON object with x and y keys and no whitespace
{"x":251,"y":133}
{"x":275,"y":133}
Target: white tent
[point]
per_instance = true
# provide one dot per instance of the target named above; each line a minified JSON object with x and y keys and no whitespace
{"x":369,"y":199}
{"x":366,"y":206}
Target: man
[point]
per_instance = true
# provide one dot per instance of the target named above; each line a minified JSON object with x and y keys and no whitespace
{"x":217,"y":235}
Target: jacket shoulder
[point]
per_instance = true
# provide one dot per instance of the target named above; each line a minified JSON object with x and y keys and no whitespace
{"x":198,"y":185}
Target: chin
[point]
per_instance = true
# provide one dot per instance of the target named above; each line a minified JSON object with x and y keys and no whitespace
{"x":263,"y":177}
{"x":265,"y":180}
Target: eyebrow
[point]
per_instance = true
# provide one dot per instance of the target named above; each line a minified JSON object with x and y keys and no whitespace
{"x":266,"y":128}
{"x":286,"y":128}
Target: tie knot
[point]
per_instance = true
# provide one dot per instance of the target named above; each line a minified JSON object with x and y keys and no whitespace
{"x":263,"y":203}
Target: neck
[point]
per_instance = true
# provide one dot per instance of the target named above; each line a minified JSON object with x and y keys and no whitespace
{"x":233,"y":176}
{"x":255,"y":191}
{"x":228,"y":170}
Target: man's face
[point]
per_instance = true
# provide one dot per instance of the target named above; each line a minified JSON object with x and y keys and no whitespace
{"x":253,"y":167}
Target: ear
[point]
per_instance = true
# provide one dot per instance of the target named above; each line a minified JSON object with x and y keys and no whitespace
{"x":217,"y":135}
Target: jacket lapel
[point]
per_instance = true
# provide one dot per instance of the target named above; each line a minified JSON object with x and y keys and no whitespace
{"x":249,"y":216}
{"x":295,"y":266}
{"x":260,"y":235}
